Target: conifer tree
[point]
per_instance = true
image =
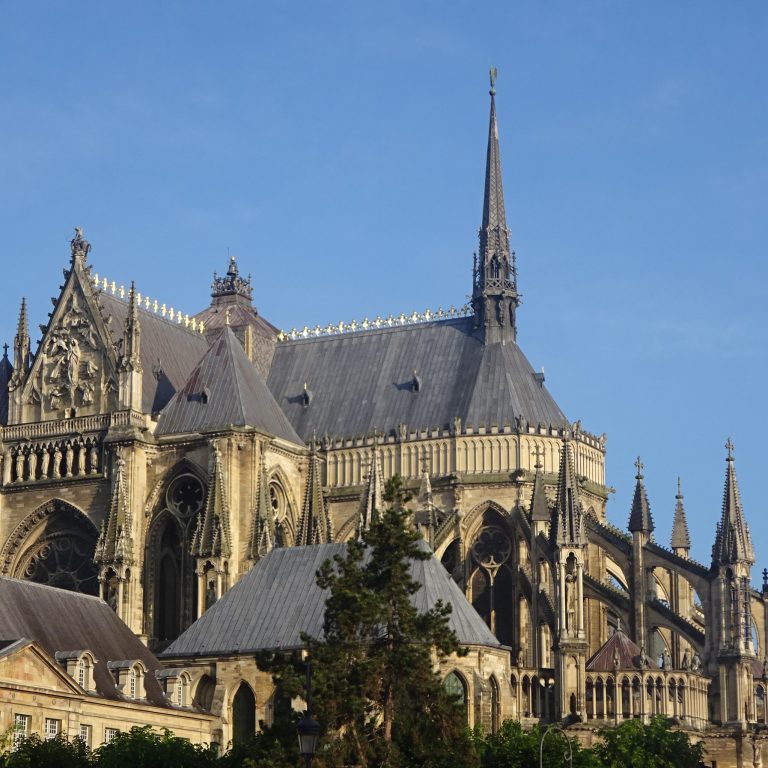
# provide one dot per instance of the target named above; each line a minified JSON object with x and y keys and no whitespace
{"x":377,"y":693}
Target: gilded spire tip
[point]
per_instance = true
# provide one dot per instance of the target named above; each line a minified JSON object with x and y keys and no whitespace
{"x":494,"y":73}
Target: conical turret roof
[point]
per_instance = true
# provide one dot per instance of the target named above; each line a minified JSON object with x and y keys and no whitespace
{"x":223,"y":390}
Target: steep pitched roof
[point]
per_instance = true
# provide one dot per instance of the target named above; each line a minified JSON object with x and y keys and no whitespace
{"x":278,"y":599}
{"x":733,"y":542}
{"x":681,"y":539}
{"x":169,"y":351}
{"x":362,"y":381}
{"x":224,"y":389}
{"x":618,"y":647}
{"x":60,"y":620}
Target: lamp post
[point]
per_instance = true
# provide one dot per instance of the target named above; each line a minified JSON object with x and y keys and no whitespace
{"x":549,"y":728}
{"x":308,"y":730}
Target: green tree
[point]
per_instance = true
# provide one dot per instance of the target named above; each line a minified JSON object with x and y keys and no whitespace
{"x":376,"y":690}
{"x":636,"y":745}
{"x":513,"y":747}
{"x":34,"y":752}
{"x":145,"y":748}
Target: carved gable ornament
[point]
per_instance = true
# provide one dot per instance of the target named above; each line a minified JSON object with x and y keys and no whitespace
{"x":73,"y":373}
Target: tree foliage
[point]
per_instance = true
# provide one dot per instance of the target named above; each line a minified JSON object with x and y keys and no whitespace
{"x":145,"y":748}
{"x":34,"y":752}
{"x":513,"y":747}
{"x":376,"y":690}
{"x":655,"y":745}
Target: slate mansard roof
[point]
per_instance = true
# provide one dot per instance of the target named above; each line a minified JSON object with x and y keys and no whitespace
{"x":64,"y":621}
{"x":278,"y":599}
{"x":364,"y":381}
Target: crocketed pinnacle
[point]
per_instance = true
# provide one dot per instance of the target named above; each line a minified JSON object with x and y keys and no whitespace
{"x":315,"y":524}
{"x":733,"y":543}
{"x":263,"y":531}
{"x":640,"y":520}
{"x":131,"y":354}
{"x":21,"y":356}
{"x":680,"y":537}
{"x":371,"y":499}
{"x":568,"y":529}
{"x":115,"y":543}
{"x":540,"y":510}
{"x":212,"y":535}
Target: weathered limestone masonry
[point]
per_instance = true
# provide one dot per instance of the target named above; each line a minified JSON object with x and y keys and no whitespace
{"x":154,"y":458}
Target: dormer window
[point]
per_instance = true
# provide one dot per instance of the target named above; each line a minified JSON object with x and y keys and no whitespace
{"x":79,"y":666}
{"x":176,"y":684}
{"x":129,"y":677}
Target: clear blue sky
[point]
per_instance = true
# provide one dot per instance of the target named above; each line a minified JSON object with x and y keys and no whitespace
{"x":337,"y":149}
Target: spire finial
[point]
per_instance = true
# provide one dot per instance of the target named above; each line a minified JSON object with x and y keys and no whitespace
{"x":640,"y":467}
{"x":538,"y":453}
{"x":5,"y":351}
{"x":729,"y":447}
{"x":679,"y":489}
{"x":494,"y":73}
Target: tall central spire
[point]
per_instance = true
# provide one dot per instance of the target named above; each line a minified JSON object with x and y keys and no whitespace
{"x":494,"y":290}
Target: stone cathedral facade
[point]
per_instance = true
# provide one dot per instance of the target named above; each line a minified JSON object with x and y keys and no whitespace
{"x":153,"y":457}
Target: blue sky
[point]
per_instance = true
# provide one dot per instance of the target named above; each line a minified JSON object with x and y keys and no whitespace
{"x":337,"y":149}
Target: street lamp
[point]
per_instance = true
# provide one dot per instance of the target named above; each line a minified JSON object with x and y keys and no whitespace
{"x":549,"y":728}
{"x":309,"y":734}
{"x":308,"y":729}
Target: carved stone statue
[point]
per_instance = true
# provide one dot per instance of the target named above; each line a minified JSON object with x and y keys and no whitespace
{"x":56,"y":461}
{"x":32,"y":464}
{"x":79,"y":245}
{"x":94,"y":459}
{"x":86,"y":392}
{"x":45,"y":461}
{"x":696,"y":663}
{"x":210,"y":595}
{"x":69,"y":458}
{"x":686,"y":663}
{"x":19,"y":465}
{"x":666,"y":659}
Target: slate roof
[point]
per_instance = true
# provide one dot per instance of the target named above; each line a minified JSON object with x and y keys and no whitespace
{"x":224,"y":389}
{"x":60,"y":620}
{"x":169,"y":351}
{"x":361,"y":381}
{"x":278,"y":599}
{"x":627,"y":652}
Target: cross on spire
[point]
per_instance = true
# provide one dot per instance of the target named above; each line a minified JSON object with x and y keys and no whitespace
{"x":640,"y":467}
{"x":538,"y":453}
{"x":729,"y":447}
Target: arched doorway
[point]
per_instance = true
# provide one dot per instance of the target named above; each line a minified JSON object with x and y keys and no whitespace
{"x":57,"y":551}
{"x":243,"y":714}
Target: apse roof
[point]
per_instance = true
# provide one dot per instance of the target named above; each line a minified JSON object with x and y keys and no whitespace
{"x":620,"y":646}
{"x":364,"y":381}
{"x":278,"y":599}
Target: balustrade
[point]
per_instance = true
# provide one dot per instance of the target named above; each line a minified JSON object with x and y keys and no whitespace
{"x":77,"y":457}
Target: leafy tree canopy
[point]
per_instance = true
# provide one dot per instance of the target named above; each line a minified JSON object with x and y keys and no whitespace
{"x":636,"y":745}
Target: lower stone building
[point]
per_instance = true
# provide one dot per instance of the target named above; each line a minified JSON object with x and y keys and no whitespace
{"x":270,"y":607}
{"x":69,"y":665}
